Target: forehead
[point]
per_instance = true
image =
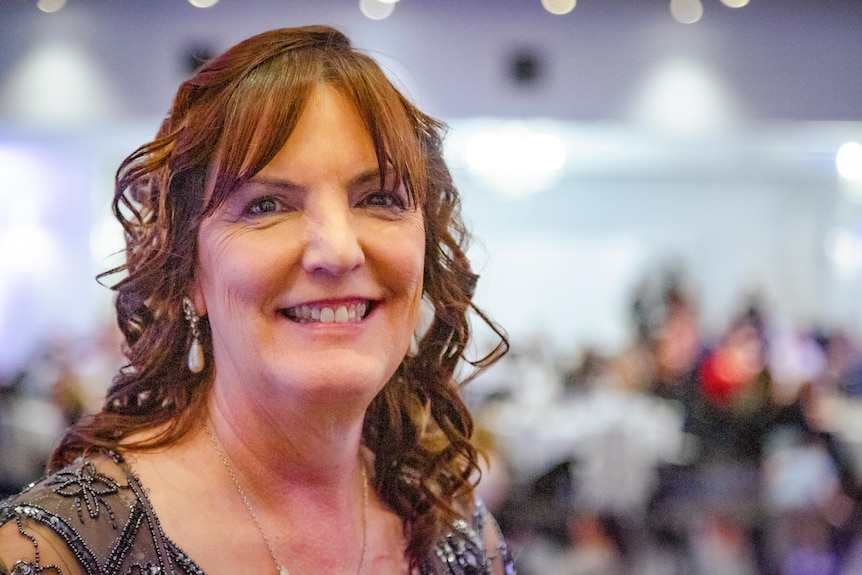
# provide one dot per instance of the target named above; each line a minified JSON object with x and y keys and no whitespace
{"x":329,"y":137}
{"x":268,"y":126}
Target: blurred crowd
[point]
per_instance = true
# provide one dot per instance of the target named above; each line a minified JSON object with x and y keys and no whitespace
{"x":687,"y":452}
{"x":684,"y":453}
{"x":64,"y":378}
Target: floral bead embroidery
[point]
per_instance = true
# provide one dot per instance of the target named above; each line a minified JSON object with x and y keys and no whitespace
{"x":88,"y":486}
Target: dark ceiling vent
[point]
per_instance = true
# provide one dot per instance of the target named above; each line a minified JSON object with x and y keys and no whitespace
{"x":526,"y":67}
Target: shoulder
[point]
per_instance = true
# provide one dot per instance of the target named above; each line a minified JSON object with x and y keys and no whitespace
{"x":72,"y":519}
{"x":88,"y":492}
{"x":473,"y":546}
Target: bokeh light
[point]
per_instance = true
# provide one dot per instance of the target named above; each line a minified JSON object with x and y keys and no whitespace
{"x":559,"y":7}
{"x":686,"y":11}
{"x":516,"y":161}
{"x":844,"y":248}
{"x":31,"y":91}
{"x":49,"y":6}
{"x":376,"y":9}
{"x":848,"y":160}
{"x":684,"y":96}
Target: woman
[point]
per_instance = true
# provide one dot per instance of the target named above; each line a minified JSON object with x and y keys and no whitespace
{"x":283,"y":410}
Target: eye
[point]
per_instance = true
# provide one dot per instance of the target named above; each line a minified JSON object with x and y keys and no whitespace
{"x":261,"y":206}
{"x":384,"y":199}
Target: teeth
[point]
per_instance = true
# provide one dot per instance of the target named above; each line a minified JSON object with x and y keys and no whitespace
{"x":327,"y":315}
{"x":353,"y":312}
{"x":341,"y":314}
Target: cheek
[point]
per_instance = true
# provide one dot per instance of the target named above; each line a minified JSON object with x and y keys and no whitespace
{"x":412,"y":243}
{"x":395,"y":255}
{"x":233,"y":270}
{"x":414,"y":268}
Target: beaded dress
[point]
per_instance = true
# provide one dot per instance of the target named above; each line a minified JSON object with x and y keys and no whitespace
{"x":100,"y":510}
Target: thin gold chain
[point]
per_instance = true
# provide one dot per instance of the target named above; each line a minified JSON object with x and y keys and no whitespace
{"x":282,"y":570}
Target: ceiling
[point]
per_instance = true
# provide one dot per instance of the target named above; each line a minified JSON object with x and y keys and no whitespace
{"x":771,"y":60}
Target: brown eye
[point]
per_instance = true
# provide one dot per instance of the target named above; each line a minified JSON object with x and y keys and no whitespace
{"x":260,"y":206}
{"x":387,"y":200}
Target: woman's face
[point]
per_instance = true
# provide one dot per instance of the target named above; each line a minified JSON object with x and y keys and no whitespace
{"x":311,"y":272}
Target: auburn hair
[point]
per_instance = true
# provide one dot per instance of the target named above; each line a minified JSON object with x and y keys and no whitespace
{"x":227,"y":122}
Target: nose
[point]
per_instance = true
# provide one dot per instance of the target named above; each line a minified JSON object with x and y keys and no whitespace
{"x":332,"y":245}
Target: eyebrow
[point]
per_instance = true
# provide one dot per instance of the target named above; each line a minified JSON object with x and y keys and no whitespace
{"x":359,"y":179}
{"x":366,"y":177}
{"x":273,"y":182}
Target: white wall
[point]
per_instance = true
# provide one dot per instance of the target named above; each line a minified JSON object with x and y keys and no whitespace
{"x":749,"y":212}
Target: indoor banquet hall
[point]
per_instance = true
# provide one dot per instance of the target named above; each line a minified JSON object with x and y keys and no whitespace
{"x":665,"y":202}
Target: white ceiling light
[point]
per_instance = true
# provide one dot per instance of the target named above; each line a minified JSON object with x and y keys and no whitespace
{"x":57,"y":84}
{"x":50,"y":6}
{"x":735,"y":3}
{"x":514,"y":160}
{"x":203,"y":3}
{"x":848,"y":160}
{"x":682,"y":96}
{"x":559,"y":7}
{"x":376,"y":9}
{"x":686,"y":11}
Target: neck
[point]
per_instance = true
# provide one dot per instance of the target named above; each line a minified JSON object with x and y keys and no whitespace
{"x":299,"y":449}
{"x":253,"y":515}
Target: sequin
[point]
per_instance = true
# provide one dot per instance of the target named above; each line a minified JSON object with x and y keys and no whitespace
{"x":23,"y":568}
{"x":127,"y":542}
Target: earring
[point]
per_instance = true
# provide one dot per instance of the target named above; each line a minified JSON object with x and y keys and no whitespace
{"x":196,"y":350}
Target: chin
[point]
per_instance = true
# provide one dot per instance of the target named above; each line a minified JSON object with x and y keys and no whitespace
{"x":346,"y":379}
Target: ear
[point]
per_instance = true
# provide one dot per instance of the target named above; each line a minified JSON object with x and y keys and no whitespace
{"x":197,"y":297}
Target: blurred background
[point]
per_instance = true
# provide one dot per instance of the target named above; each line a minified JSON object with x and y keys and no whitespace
{"x":667,"y":204}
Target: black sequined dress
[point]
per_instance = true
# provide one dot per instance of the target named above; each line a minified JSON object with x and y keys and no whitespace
{"x":99,"y":509}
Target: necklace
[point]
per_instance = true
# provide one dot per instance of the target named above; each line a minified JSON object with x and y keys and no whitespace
{"x":282,"y":570}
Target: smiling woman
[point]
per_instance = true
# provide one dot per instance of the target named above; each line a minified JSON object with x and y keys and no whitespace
{"x":313,"y":235}
{"x":283,"y":230}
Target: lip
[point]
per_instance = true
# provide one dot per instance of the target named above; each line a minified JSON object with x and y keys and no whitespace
{"x":339,"y":311}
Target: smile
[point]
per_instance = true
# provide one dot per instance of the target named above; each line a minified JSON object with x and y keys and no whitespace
{"x":345,"y":313}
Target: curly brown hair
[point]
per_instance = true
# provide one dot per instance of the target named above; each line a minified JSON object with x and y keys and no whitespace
{"x":227,"y":122}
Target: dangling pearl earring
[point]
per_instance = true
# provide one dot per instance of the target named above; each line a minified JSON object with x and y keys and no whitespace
{"x":196,"y":350}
